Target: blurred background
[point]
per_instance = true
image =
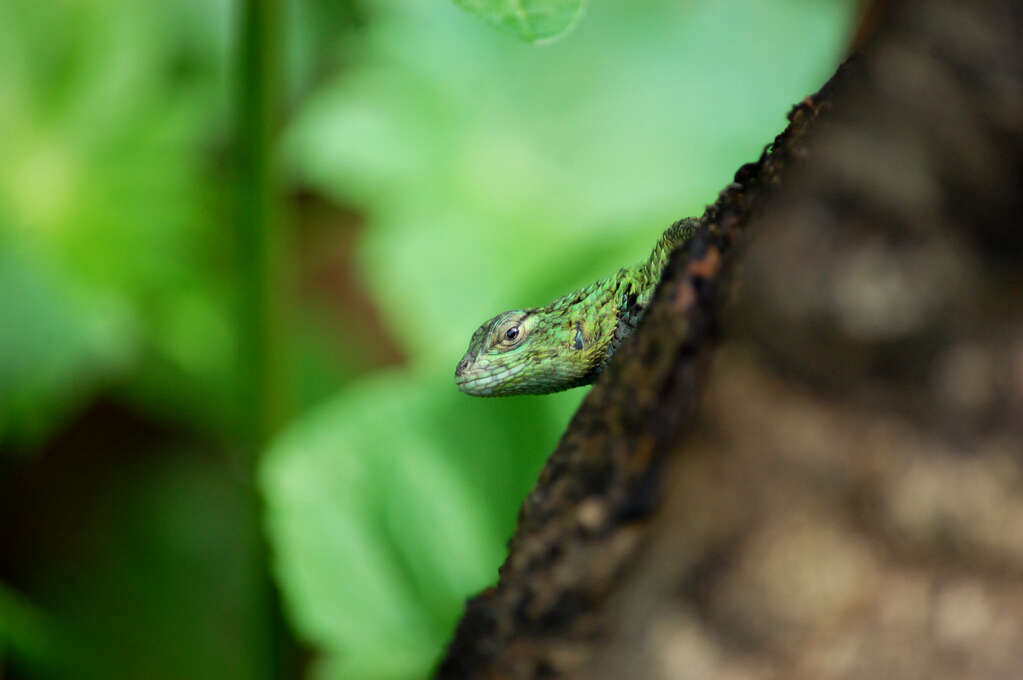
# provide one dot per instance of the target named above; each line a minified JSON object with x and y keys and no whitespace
{"x":242,"y":247}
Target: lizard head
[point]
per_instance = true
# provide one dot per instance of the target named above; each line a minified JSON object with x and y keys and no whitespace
{"x":524,"y":351}
{"x":498,"y":355}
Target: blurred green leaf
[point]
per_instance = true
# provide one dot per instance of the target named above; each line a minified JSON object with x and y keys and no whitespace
{"x":104,"y":106}
{"x":51,"y":344}
{"x":332,"y":511}
{"x":532,"y":20}
{"x":25,"y":633}
{"x":384,"y":518}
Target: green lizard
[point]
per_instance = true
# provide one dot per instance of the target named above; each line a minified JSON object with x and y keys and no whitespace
{"x":568,"y":342}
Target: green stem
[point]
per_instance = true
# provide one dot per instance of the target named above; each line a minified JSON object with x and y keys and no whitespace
{"x":260,"y":234}
{"x":262,"y":252}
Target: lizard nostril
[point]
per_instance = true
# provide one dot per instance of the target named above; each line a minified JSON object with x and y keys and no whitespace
{"x":462,"y":365}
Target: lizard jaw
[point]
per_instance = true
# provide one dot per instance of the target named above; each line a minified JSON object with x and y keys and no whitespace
{"x":483,"y":381}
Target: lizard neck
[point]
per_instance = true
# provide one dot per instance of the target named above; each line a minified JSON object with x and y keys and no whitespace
{"x":639,"y":283}
{"x":674,"y":236}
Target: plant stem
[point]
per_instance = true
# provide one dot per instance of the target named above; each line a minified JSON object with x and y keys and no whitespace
{"x":262,"y":253}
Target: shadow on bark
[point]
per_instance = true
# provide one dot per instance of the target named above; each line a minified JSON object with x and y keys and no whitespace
{"x":808,"y":463}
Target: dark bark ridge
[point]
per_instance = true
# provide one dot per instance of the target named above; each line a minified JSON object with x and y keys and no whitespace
{"x":864,"y":277}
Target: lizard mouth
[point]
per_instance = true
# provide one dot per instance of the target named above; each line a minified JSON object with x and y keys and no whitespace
{"x":481,"y":382}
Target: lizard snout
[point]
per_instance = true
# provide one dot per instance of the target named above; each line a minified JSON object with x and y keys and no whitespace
{"x":462,"y":365}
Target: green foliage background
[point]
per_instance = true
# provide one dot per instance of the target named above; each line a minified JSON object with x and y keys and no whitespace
{"x":434,"y":172}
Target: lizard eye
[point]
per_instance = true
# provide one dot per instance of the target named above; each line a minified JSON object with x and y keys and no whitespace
{"x":509,"y":332}
{"x":511,"y":337}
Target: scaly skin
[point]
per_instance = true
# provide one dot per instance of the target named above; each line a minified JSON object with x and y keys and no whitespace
{"x":568,"y":342}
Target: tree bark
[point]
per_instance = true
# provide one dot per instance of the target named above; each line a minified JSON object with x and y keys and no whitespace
{"x":808,"y":462}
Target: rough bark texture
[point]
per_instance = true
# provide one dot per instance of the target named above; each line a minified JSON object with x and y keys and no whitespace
{"x":808,"y":463}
